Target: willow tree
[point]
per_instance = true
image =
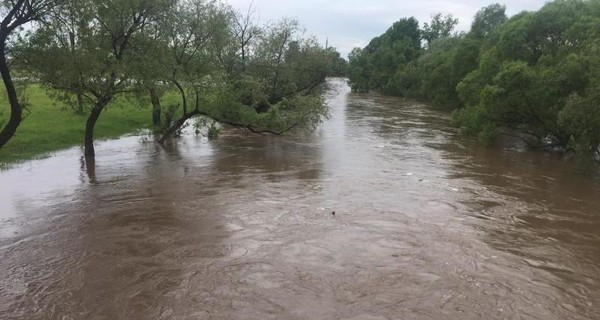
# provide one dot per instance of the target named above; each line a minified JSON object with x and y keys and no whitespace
{"x":245,"y":31}
{"x":16,"y":14}
{"x":287,"y":63}
{"x":269,"y":93}
{"x":107,"y":43}
{"x":192,"y":37}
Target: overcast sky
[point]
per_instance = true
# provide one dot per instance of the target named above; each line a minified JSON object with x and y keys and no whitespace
{"x":353,"y":23}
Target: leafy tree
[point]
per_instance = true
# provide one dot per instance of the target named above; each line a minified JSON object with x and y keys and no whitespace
{"x":439,"y":27}
{"x":245,"y":32}
{"x":107,"y":44}
{"x":534,"y":75}
{"x":279,"y":89}
{"x":337,"y":66}
{"x":196,"y":35}
{"x":359,"y":70}
{"x":272,"y":92}
{"x":581,"y":119}
{"x":487,"y":20}
{"x":539,"y":78}
{"x":376,"y":66}
{"x":437,"y":72}
{"x":16,"y":14}
{"x":152,"y":65}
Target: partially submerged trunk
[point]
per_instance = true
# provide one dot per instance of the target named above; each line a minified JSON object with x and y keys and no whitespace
{"x":173,"y":127}
{"x":90,"y":169}
{"x":90,"y":124}
{"x":16,"y":111}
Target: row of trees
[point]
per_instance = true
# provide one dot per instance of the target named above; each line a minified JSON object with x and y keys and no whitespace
{"x":222,"y":63}
{"x":534,"y":75}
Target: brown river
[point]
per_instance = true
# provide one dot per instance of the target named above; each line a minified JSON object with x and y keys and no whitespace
{"x":427,"y":225}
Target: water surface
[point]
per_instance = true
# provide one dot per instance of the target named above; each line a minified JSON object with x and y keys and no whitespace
{"x":428,"y":226}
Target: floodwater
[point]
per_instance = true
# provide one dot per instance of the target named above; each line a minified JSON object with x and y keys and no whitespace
{"x":427,"y":225}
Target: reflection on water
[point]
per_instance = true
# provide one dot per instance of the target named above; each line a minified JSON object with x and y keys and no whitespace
{"x":428,"y":226}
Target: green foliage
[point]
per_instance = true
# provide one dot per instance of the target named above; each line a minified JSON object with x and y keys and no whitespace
{"x":437,"y":78}
{"x":487,"y":20}
{"x":194,"y":57}
{"x":472,"y":119}
{"x":488,"y":134}
{"x":581,"y":120}
{"x":376,"y":66}
{"x":241,"y":76}
{"x":336,"y":65}
{"x":359,"y":71}
{"x":295,"y":112}
{"x":538,"y":77}
{"x":535,"y":74}
{"x":405,"y":82}
{"x":213,"y":131}
{"x":439,"y":27}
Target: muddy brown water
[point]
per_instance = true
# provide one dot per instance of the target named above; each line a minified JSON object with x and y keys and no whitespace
{"x":428,"y":226}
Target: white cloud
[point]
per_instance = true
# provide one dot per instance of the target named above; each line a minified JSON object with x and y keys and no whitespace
{"x":355,"y":22}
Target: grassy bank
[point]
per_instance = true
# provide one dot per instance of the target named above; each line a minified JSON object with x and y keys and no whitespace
{"x":51,"y":126}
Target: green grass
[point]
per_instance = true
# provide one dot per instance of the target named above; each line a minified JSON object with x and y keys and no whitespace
{"x":51,"y":126}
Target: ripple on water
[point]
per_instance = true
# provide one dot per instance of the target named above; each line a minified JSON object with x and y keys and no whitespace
{"x":427,"y":226}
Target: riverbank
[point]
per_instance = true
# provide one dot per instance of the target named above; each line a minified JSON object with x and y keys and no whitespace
{"x":51,"y":126}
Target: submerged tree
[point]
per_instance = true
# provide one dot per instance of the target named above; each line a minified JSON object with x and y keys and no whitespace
{"x":195,"y":34}
{"x":538,"y":78}
{"x":221,"y":64}
{"x":262,"y":80}
{"x":533,"y":76}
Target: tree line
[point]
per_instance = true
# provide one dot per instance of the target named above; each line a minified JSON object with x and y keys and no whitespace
{"x":223,"y":64}
{"x":535,"y":75}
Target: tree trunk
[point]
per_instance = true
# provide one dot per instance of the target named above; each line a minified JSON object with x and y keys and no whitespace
{"x":90,"y":169}
{"x":79,"y":110}
{"x":89,"y":151}
{"x":156,"y":107}
{"x":183,"y":97}
{"x":16,"y":111}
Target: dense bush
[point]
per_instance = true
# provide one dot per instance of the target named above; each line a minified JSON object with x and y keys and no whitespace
{"x":535,"y":74}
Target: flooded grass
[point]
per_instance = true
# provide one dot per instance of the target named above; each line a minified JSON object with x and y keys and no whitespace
{"x":51,"y":126}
